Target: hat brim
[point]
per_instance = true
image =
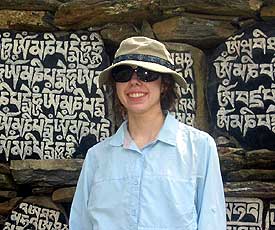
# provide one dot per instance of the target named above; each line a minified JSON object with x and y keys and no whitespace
{"x":105,"y":75}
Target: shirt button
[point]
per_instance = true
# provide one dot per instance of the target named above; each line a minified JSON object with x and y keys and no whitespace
{"x":135,"y":182}
{"x":134,"y":213}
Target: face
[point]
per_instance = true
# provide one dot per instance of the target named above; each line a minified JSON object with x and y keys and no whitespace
{"x":139,"y":97}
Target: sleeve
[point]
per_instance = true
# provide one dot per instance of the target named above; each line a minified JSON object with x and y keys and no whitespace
{"x":79,"y":214}
{"x":210,"y":194}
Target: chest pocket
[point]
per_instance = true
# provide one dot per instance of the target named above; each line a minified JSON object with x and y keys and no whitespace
{"x":167,"y":203}
{"x":168,"y":192}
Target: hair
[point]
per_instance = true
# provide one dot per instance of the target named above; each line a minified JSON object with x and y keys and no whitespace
{"x":170,"y":95}
{"x":117,"y":112}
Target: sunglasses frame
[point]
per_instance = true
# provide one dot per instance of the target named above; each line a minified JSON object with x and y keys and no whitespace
{"x":143,"y":74}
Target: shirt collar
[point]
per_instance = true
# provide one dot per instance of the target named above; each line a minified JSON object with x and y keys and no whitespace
{"x":118,"y":138}
{"x":167,"y":133}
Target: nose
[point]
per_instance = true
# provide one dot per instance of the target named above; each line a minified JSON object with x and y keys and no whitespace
{"x":134,"y":79}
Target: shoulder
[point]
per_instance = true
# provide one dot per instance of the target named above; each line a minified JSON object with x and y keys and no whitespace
{"x":99,"y":146}
{"x":189,"y":132}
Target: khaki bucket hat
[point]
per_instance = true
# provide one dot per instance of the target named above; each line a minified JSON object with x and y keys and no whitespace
{"x":144,"y":52}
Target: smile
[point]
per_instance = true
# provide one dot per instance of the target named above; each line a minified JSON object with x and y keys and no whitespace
{"x":135,"y":95}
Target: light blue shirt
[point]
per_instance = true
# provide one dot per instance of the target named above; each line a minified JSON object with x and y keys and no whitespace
{"x":173,"y":183}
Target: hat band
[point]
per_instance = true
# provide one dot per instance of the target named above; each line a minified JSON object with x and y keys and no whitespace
{"x":146,"y":58}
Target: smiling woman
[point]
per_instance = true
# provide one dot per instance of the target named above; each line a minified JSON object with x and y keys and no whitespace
{"x":154,"y":172}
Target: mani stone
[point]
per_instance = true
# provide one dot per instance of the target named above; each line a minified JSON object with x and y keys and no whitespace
{"x":46,"y":173}
{"x":242,"y":212}
{"x":187,"y":57}
{"x":269,"y":221}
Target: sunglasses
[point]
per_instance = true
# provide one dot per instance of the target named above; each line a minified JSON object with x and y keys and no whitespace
{"x":124,"y":73}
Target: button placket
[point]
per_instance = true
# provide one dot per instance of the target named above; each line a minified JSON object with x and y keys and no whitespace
{"x":135,"y":190}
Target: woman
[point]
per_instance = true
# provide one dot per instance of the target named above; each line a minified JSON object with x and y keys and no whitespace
{"x":155,"y":173}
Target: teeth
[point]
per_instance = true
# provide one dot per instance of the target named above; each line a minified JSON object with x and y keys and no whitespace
{"x":136,"y":94}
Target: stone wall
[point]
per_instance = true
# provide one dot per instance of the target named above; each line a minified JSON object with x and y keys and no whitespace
{"x":197,"y":33}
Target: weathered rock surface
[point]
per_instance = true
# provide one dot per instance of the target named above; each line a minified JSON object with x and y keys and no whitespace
{"x":8,"y":194}
{"x":251,"y":174}
{"x":115,"y":33}
{"x":231,"y":159}
{"x":261,"y":158}
{"x":26,"y":20}
{"x":231,"y":7}
{"x":250,"y":189}
{"x":4,"y":169}
{"x":46,"y":173}
{"x":8,"y":206}
{"x":63,"y":195}
{"x":30,"y":4}
{"x":84,"y":13}
{"x":203,"y":33}
{"x":6,"y":182}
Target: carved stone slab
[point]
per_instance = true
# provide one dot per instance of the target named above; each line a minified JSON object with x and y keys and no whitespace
{"x":33,"y":216}
{"x":241,"y":90}
{"x":190,"y":62}
{"x":244,"y":213}
{"x":50,"y":105}
{"x":270,"y":217}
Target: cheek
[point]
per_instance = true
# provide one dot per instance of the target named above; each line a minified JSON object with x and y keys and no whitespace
{"x":119,"y":91}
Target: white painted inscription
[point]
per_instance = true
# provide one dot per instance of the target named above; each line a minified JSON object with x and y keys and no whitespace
{"x":186,"y":106}
{"x":246,"y":94}
{"x":244,"y":213}
{"x":49,"y":99}
{"x":33,"y":217}
{"x":270,"y":217}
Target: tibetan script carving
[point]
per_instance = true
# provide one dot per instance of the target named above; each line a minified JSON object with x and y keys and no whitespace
{"x":270,"y":217}
{"x":49,"y":100}
{"x":186,"y":106}
{"x":244,"y":213}
{"x":242,"y":75}
{"x":33,"y":217}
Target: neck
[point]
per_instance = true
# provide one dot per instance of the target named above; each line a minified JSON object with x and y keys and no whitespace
{"x":144,"y":128}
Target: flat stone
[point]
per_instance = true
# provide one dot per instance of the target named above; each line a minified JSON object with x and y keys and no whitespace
{"x":220,"y":7}
{"x":199,"y":32}
{"x":8,"y":206}
{"x":5,"y":169}
{"x":26,"y":20}
{"x":8,"y":194}
{"x":252,"y":175}
{"x":190,"y":62}
{"x":63,"y":195}
{"x":114,"y":33}
{"x":30,"y":4}
{"x":250,"y":189}
{"x":86,"y":13}
{"x":6,"y":182}
{"x":46,"y":173}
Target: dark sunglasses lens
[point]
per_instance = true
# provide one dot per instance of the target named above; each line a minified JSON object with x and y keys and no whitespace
{"x":147,"y":75}
{"x":122,"y":73}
